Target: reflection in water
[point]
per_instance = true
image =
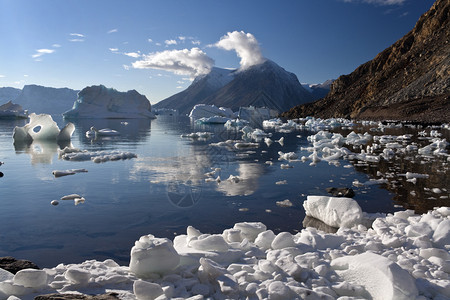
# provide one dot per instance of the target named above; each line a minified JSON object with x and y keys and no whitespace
{"x":249,"y":174}
{"x":41,"y":152}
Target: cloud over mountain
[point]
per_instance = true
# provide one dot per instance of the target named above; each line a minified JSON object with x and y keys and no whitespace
{"x":245,"y":45}
{"x":191,"y":62}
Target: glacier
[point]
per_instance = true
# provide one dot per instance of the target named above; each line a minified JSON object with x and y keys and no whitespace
{"x":100,"y":102}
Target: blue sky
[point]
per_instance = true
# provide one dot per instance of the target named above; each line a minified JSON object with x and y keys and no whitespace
{"x":157,"y":47}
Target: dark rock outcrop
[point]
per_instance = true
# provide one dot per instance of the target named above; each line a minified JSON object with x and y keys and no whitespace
{"x":13,"y":265}
{"x":69,"y":296}
{"x":408,"y":81}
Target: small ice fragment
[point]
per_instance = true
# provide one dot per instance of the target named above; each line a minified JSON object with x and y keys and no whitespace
{"x":31,"y":278}
{"x":285,"y":203}
{"x":285,"y":166}
{"x":281,"y":182}
{"x":54,"y":202}
{"x":79,"y":200}
{"x":71,"y":197}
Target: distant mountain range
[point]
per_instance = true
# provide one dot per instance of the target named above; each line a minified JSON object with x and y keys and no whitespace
{"x":410,"y":80}
{"x":263,"y":85}
{"x":40,"y":99}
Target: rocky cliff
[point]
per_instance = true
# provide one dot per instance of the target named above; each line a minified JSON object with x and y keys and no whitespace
{"x":410,"y":80}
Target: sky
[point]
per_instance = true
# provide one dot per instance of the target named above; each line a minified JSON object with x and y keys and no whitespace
{"x":158,"y":47}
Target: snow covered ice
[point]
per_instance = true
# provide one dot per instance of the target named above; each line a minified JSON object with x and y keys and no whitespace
{"x":104,"y":103}
{"x":403,"y":256}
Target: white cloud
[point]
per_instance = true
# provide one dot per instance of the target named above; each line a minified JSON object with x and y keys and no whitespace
{"x":40,"y":52}
{"x":182,"y":38}
{"x":245,"y":45}
{"x":114,"y":50}
{"x":56,"y":46}
{"x":126,"y":67}
{"x":112,"y":30}
{"x":191,"y":62}
{"x":195,"y":42}
{"x":2,"y":76}
{"x":78,"y":37}
{"x":379,"y":2}
{"x":150,"y":40}
{"x":133,"y":54}
{"x":158,"y":44}
{"x":170,"y":42}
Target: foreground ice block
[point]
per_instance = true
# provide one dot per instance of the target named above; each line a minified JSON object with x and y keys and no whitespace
{"x":382,"y":278}
{"x":334,"y":211}
{"x":101,"y":102}
{"x":153,"y":255}
{"x":42,"y":128}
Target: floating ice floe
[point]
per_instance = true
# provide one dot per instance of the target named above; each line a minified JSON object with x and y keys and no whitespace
{"x":77,"y":199}
{"x":213,"y":120}
{"x":93,"y":132}
{"x":102,"y":103}
{"x":10,"y":110}
{"x":403,"y":256}
{"x":74,"y":154}
{"x":42,"y":128}
{"x":60,"y":173}
{"x":197,"y":135}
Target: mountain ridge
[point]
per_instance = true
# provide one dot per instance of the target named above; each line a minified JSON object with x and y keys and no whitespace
{"x":410,"y":80}
{"x":265,"y":84}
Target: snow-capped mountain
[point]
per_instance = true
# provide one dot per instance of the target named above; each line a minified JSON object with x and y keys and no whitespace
{"x":202,"y":87}
{"x":40,"y":99}
{"x":320,"y":90}
{"x":263,"y":85}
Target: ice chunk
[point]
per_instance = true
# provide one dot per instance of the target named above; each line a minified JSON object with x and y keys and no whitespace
{"x":334,"y":211}
{"x":283,"y":240}
{"x":144,"y":290}
{"x":287,"y":156}
{"x":58,"y":173}
{"x":250,"y":230}
{"x":153,"y":255}
{"x":42,"y":127}
{"x":31,"y":278}
{"x":102,"y":102}
{"x":441,"y":235}
{"x":78,"y":275}
{"x":382,"y":278}
{"x":214,"y":242}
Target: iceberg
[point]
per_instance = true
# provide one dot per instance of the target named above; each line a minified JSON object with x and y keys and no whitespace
{"x":101,"y":102}
{"x":256,"y":115}
{"x":10,"y":110}
{"x":208,"y":111}
{"x":42,"y":128}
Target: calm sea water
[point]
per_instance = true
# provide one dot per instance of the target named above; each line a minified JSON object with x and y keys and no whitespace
{"x":163,"y":190}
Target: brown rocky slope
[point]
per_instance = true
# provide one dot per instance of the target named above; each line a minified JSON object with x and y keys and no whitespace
{"x":408,"y":81}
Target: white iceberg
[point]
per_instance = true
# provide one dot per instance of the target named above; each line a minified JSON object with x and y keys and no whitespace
{"x":334,"y":211}
{"x":207,"y":111}
{"x":42,"y":128}
{"x":10,"y":110}
{"x":101,"y":102}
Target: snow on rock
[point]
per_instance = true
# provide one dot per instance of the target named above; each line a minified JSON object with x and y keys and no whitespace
{"x":106,"y":103}
{"x":42,"y":128}
{"x":334,"y":211}
{"x":381,"y":278}
{"x":153,"y":255}
{"x":207,"y":111}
